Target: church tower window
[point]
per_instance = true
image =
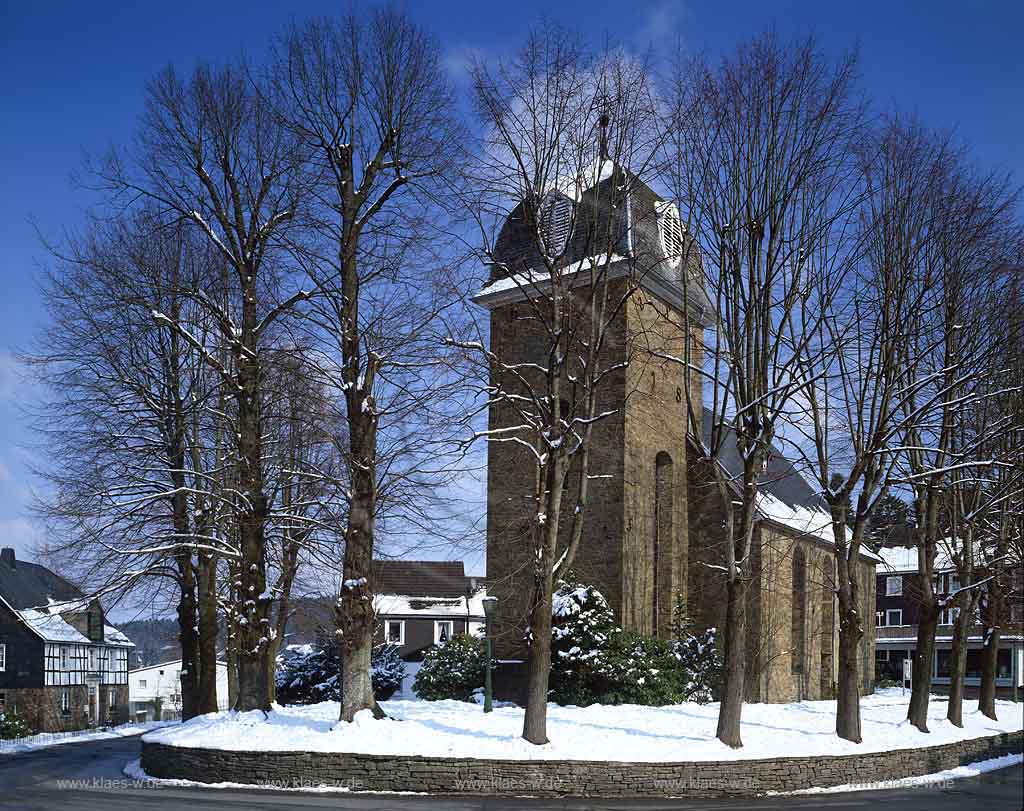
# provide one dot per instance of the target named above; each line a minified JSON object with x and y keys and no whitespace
{"x":663,"y":547}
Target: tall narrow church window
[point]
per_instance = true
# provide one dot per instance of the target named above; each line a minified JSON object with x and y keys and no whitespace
{"x":799,"y":609}
{"x":670,"y":229}
{"x":555,"y":223}
{"x":663,"y":547}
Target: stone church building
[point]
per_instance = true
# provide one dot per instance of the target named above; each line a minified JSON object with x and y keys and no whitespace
{"x":653,"y":525}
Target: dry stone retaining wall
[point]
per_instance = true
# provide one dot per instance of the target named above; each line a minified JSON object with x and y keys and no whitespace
{"x":558,"y":778}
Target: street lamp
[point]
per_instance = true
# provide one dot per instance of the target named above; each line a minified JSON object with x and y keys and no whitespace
{"x":490,"y":605}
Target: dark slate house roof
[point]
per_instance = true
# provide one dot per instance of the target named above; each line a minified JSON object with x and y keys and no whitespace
{"x":421,"y":578}
{"x":29,"y":585}
{"x":617,"y":214}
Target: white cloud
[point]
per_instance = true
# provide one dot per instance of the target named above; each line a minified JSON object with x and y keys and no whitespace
{"x":5,"y":472}
{"x":661,"y":26}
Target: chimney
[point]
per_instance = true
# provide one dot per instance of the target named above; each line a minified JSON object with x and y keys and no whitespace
{"x":7,"y":556}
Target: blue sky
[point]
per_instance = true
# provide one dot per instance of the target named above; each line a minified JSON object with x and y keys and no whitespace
{"x":72,"y":79}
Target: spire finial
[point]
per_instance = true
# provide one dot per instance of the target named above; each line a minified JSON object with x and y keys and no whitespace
{"x":603,"y":122}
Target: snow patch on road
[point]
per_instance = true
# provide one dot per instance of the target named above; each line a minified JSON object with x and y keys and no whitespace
{"x":44,"y":740}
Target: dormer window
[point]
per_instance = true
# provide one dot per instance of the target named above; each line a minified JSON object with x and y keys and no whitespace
{"x":555,"y":223}
{"x":670,"y":230}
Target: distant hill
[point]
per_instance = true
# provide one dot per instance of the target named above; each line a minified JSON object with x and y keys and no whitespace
{"x":155,"y":640}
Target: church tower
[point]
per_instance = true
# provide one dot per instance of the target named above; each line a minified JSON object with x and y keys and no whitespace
{"x":634,"y":547}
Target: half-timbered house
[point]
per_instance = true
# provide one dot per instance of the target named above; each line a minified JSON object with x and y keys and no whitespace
{"x":62,"y":666}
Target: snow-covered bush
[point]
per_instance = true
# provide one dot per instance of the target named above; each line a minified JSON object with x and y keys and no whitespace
{"x":596,"y":662}
{"x":308,"y":674}
{"x":452,"y":670}
{"x":13,"y":726}
{"x":387,"y":669}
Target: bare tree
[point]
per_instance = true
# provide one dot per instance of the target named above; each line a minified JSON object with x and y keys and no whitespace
{"x":369,"y":100}
{"x":760,"y":159}
{"x":967,"y":216}
{"x":125,"y":425}
{"x":567,"y":139}
{"x":211,"y":152}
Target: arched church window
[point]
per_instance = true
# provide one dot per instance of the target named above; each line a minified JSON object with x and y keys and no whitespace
{"x":555,"y":223}
{"x":670,"y":230}
{"x":799,"y":611}
{"x":661,"y":558}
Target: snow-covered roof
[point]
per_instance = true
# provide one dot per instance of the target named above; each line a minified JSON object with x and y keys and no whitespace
{"x":396,"y":605}
{"x":903,"y":559}
{"x":50,"y":625}
{"x":785,"y":497}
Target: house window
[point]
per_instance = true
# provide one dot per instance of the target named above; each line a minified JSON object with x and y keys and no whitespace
{"x":879,"y":617}
{"x":65,"y":701}
{"x":894,"y":616}
{"x":142,"y":684}
{"x":954,"y":583}
{"x":63,"y":657}
{"x":670,"y":229}
{"x":110,"y":698}
{"x":394,"y":632}
{"x":3,"y":656}
{"x":948,"y":615}
{"x":443,"y":630}
{"x":92,"y":660}
{"x":893,"y":586}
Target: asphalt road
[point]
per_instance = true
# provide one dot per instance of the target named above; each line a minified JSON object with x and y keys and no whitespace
{"x":87,"y":777}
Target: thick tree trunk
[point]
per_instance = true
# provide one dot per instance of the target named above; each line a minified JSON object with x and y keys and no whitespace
{"x":958,"y":668}
{"x":189,"y":637}
{"x":921,"y":683}
{"x":354,"y":613}
{"x":989,"y":666}
{"x":538,"y":669}
{"x":207,"y":590}
{"x":848,"y":687}
{"x":253,"y":622}
{"x":734,"y":664}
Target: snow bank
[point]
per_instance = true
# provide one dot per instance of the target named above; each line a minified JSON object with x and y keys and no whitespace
{"x":682,"y":732}
{"x":45,"y":740}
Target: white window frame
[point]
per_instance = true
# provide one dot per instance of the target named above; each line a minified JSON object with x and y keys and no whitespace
{"x":142,"y":684}
{"x":401,"y":632}
{"x":64,"y":656}
{"x":894,"y":586}
{"x":3,"y":656}
{"x":949,"y":614}
{"x":65,"y":701}
{"x":670,"y":226}
{"x":888,"y":614}
{"x":110,"y":698}
{"x":879,"y":619}
{"x":437,"y":630}
{"x":954,"y":583}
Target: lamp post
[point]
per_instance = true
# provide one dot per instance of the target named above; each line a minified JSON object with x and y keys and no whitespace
{"x":490,"y":603}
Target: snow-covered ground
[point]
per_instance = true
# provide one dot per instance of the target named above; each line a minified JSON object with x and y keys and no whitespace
{"x":47,"y":739}
{"x":623,"y":733}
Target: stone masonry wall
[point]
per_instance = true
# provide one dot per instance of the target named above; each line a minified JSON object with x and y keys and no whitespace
{"x":558,"y":778}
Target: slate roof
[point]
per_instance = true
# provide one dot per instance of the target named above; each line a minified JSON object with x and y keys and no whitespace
{"x":29,"y":585}
{"x":617,"y":215}
{"x":421,"y":578}
{"x":42,"y":599}
{"x":785,"y":496}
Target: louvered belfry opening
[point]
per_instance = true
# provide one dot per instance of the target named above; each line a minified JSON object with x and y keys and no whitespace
{"x":556,"y":212}
{"x":670,"y":229}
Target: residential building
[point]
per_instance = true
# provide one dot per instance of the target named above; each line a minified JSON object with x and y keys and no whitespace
{"x":420,"y":603}
{"x":154,"y":691}
{"x":62,"y":666}
{"x":897,"y":608}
